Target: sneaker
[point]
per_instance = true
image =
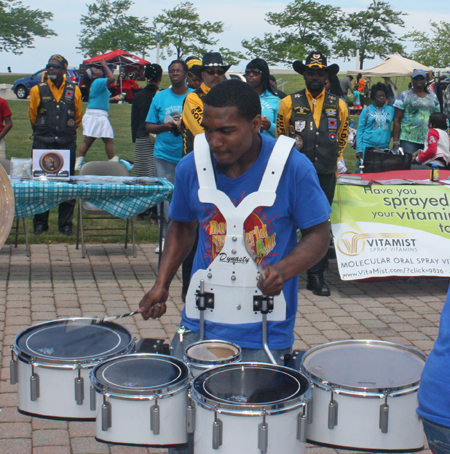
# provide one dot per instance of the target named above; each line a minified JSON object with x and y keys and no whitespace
{"x":79,"y":162}
{"x":114,"y":159}
{"x":157,"y":250}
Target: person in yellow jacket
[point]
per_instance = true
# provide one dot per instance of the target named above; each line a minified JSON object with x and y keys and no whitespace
{"x":318,"y":121}
{"x":212,"y":72}
{"x":55,"y":112}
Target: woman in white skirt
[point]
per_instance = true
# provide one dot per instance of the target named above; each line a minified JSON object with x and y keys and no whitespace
{"x":96,"y":124}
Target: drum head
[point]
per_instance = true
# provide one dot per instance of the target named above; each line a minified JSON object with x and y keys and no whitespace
{"x":250,"y":383}
{"x":364,"y":365}
{"x":140,"y":372}
{"x":212,"y":352}
{"x":78,"y":339}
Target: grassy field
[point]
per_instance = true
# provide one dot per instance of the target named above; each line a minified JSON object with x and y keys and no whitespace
{"x":19,"y":142}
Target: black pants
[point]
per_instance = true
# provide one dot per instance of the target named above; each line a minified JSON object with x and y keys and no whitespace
{"x":66,"y":209}
{"x":328,"y":185}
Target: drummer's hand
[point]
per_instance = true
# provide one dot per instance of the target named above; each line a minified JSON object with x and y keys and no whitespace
{"x":273,"y":283}
{"x":153,"y":304}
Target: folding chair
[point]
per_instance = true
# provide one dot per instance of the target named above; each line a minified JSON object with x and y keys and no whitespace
{"x":6,"y":163}
{"x":88,"y":211}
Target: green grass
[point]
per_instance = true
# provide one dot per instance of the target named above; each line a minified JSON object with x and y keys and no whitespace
{"x":19,"y":143}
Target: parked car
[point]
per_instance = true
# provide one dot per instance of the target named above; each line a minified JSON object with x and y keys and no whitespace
{"x":23,"y":86}
{"x":238,"y":76}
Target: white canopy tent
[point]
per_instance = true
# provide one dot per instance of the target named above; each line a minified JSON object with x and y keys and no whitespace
{"x":392,"y":66}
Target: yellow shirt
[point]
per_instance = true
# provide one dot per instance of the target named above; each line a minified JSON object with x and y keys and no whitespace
{"x":193,"y":111}
{"x":285,"y":113}
{"x":35,"y":101}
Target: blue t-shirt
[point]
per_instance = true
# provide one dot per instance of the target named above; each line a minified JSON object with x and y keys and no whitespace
{"x":300,"y":203}
{"x":99,"y":95}
{"x":269,"y":109}
{"x":168,"y":146}
{"x":434,"y":396}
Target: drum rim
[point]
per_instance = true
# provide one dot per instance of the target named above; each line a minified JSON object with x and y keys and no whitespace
{"x":194,"y":362}
{"x":226,"y":407}
{"x":159,"y":391}
{"x":87,"y":363}
{"x":361,"y":390}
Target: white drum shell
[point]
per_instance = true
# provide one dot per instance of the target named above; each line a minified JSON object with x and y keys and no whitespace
{"x":358,"y":422}
{"x":57,"y":392}
{"x":130,"y":420}
{"x":240,"y":433}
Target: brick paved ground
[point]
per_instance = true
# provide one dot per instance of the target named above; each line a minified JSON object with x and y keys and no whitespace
{"x":57,"y":282}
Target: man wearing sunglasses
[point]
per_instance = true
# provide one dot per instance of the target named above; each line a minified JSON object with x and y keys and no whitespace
{"x":212,"y":72}
{"x":55,"y":113}
{"x":318,"y":121}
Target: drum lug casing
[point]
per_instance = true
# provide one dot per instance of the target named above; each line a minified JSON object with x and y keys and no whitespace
{"x":79,"y":387}
{"x":34,"y":385}
{"x":263,"y":436}
{"x":13,"y":369}
{"x":93,"y":399}
{"x":302,"y":420}
{"x":384,"y":416}
{"x":332,"y":413}
{"x":217,"y":437}
{"x":106,"y":414}
{"x":309,"y":411}
{"x":155,"y":419}
{"x":190,"y":415}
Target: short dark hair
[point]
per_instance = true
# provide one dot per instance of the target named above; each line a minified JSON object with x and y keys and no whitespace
{"x":438,"y":120}
{"x":182,"y":63}
{"x":153,"y":72}
{"x":235,"y":93}
{"x":378,"y":87}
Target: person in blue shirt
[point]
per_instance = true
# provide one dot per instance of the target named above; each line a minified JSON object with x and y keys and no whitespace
{"x":96,"y":124}
{"x":258,"y":76}
{"x":375,"y":124}
{"x":164,"y":120}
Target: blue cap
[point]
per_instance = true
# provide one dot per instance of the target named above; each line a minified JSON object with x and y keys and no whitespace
{"x":418,"y":72}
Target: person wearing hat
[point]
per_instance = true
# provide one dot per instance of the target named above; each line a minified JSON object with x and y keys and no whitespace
{"x":413,"y":108}
{"x":212,"y":72}
{"x":193,"y":76}
{"x":55,"y":112}
{"x":318,"y":121}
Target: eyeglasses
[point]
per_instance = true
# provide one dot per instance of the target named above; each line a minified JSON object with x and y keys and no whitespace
{"x":54,"y":67}
{"x":176,"y":71}
{"x":212,"y":72}
{"x":255,"y":72}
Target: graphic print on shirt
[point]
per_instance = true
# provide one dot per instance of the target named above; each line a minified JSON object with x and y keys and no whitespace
{"x":381,"y":119}
{"x":259,"y":233}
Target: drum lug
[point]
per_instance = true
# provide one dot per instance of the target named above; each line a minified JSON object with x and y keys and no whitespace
{"x":309,"y":411}
{"x":34,"y":385}
{"x":93,"y":399}
{"x":13,"y":369}
{"x":332,"y":413}
{"x":155,"y":420}
{"x":384,"y":416}
{"x":263,"y":435}
{"x":190,"y":416}
{"x":217,"y":438}
{"x":106,"y":414}
{"x":79,"y":387}
{"x":301,"y":425}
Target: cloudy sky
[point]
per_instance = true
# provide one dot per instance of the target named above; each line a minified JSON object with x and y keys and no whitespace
{"x":243,"y":20}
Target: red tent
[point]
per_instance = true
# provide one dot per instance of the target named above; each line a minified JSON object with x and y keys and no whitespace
{"x":118,"y":57}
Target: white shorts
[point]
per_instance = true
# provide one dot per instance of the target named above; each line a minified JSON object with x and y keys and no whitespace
{"x":96,"y":124}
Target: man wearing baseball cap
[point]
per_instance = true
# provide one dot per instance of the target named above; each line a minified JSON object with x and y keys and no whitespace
{"x":55,"y":113}
{"x":318,"y":121}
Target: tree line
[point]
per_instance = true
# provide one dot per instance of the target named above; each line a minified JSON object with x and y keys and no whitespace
{"x":303,"y":26}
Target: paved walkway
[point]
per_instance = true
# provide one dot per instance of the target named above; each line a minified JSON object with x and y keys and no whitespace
{"x":57,"y":282}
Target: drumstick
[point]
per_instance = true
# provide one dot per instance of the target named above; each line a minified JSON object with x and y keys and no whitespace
{"x":253,"y":256}
{"x":115,"y":317}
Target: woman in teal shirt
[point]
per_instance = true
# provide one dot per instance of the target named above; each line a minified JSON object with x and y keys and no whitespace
{"x":257,"y":74}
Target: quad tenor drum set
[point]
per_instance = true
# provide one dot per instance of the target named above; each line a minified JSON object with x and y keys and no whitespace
{"x":356,"y":394}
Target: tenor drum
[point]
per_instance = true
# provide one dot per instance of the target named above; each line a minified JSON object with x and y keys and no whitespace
{"x":364,"y":395}
{"x":141,"y":399}
{"x":250,"y":408}
{"x":51,"y":363}
{"x":204,"y":355}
